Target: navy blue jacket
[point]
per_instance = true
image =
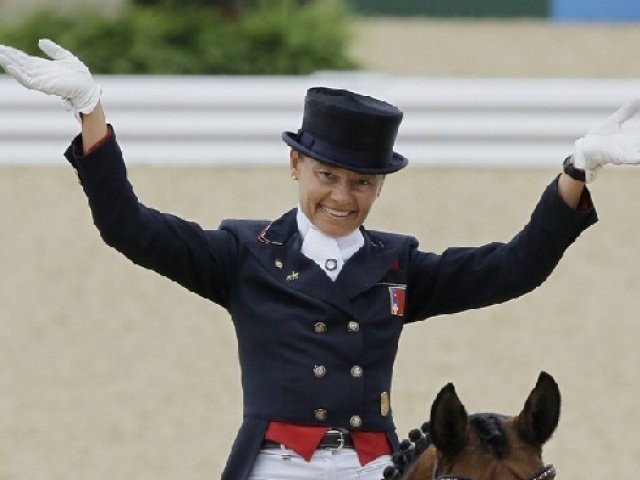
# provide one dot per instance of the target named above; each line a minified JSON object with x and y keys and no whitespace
{"x":291,"y":318}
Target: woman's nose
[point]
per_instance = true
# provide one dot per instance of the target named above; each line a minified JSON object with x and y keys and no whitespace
{"x":341,"y":193}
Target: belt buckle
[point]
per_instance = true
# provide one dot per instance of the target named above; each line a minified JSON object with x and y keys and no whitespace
{"x":335,"y":451}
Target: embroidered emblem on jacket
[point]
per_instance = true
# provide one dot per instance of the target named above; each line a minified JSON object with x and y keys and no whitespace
{"x":292,"y":276}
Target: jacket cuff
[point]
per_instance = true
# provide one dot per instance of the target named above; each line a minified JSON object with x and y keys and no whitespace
{"x":74,"y":152}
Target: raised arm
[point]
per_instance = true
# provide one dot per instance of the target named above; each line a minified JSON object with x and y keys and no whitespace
{"x":570,"y":190}
{"x":94,"y":128}
{"x":176,"y":248}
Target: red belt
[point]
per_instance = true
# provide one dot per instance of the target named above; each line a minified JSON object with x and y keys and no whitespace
{"x":306,"y":439}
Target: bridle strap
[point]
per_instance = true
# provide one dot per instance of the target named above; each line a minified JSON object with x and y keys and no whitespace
{"x":546,"y":473}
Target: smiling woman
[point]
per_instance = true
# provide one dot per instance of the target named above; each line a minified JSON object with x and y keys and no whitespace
{"x":335,"y":200}
{"x":340,"y":156}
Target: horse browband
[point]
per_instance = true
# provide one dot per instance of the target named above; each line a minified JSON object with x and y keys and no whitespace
{"x":547,"y":473}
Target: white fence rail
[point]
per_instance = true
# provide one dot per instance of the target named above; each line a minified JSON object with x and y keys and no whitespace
{"x":219,"y":120}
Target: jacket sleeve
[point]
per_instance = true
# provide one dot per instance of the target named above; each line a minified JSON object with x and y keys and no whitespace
{"x":200,"y":260}
{"x":463,"y":278}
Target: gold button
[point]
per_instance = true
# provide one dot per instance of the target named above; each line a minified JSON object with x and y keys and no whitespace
{"x":356,"y":371}
{"x":320,"y":414}
{"x":320,"y":327}
{"x":353,"y":326}
{"x":355,"y":421}
{"x":319,"y":371}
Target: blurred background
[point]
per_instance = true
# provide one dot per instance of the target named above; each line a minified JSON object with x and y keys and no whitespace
{"x":110,"y":371}
{"x":435,"y":37}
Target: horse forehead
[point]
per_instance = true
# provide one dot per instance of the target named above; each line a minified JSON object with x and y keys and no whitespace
{"x":491,"y":429}
{"x":489,"y":416}
{"x":506,"y":456}
{"x":497,"y":435}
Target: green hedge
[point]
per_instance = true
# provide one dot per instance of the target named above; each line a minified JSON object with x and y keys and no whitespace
{"x":273,"y":37}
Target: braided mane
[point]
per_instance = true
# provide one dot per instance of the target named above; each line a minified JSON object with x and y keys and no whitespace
{"x":491,"y":432}
{"x":487,"y":425}
{"x":410,"y":449}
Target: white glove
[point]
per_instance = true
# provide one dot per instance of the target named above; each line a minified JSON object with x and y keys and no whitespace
{"x":609,"y":142}
{"x":63,"y":75}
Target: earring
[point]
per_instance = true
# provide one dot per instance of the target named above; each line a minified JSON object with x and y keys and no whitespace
{"x":294,"y":176}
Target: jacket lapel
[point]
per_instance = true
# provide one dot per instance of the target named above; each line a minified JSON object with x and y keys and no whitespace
{"x":367,"y":266}
{"x":277,"y":248}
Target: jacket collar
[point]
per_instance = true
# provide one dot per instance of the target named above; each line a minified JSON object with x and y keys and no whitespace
{"x":361,"y":272}
{"x":281,"y":230}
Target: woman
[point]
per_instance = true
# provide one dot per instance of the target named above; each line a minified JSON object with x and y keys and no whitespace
{"x":318,"y":301}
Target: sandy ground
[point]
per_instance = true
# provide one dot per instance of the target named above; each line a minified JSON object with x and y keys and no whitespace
{"x":111,"y":372}
{"x":497,"y":48}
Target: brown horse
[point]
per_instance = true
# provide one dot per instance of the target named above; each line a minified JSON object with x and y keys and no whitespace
{"x":482,"y":446}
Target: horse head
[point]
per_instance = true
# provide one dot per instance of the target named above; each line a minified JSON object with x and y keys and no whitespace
{"x":454,"y":445}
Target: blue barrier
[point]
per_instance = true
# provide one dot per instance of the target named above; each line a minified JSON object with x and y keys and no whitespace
{"x":596,"y":10}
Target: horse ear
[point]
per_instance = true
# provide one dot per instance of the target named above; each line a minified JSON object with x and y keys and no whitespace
{"x":449,"y":422}
{"x":539,"y":417}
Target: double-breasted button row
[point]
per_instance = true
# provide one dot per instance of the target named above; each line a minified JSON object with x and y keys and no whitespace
{"x":321,"y":327}
{"x":320,"y":371}
{"x":321,"y":415}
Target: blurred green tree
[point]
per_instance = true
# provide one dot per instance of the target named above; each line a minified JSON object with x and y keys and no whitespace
{"x":269,"y":37}
{"x":227,"y":8}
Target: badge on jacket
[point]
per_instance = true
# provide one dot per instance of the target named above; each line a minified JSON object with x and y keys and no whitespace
{"x":385,"y":404}
{"x":396,"y":297}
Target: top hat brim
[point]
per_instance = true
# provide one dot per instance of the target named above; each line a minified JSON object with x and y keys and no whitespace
{"x":339,"y":158}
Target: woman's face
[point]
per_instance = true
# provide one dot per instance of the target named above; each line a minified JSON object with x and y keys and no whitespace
{"x":335,"y":200}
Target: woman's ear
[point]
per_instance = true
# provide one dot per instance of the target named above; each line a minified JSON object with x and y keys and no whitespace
{"x":294,"y":162}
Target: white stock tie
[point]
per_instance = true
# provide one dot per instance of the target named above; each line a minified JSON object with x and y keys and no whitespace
{"x":323,"y":250}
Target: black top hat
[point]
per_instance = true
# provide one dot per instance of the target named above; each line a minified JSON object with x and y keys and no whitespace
{"x":348,"y":130}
